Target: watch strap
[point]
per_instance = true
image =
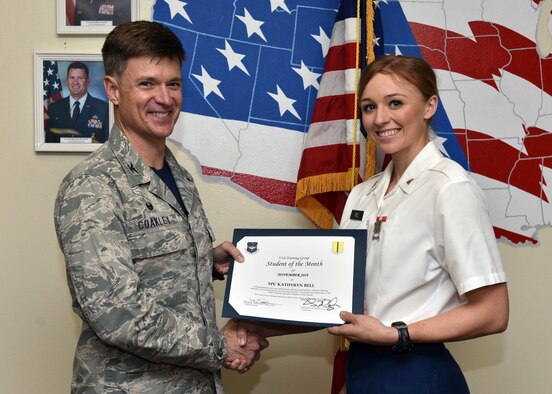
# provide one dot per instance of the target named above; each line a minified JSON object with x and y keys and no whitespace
{"x":404,"y":343}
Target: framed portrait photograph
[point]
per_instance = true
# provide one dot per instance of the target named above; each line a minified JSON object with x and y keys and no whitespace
{"x":94,"y":16}
{"x":72,"y":112}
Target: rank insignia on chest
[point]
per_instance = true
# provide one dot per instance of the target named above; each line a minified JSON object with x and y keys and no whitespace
{"x":377,"y":226}
{"x":356,"y":215}
{"x":106,"y":9}
{"x":95,"y":122}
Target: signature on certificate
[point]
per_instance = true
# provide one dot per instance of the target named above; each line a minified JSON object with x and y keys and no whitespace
{"x":322,"y":303}
{"x":257,"y":301}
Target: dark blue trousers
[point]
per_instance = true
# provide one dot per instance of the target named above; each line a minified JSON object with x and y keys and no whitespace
{"x":427,"y":369}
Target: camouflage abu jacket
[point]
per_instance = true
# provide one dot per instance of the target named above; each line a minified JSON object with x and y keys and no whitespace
{"x":140,"y":276}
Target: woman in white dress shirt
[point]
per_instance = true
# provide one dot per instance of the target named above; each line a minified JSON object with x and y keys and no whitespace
{"x":433,"y":271}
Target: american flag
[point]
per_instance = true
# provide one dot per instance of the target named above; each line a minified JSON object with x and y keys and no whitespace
{"x":335,"y":155}
{"x":251,"y":77}
{"x":51,"y":83}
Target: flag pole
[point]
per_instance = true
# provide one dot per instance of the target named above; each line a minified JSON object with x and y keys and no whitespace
{"x":343,"y":344}
{"x":370,"y":57}
{"x":370,"y":168}
{"x":358,"y":39}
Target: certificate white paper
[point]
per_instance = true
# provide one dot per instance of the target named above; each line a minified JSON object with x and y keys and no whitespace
{"x":303,"y":277}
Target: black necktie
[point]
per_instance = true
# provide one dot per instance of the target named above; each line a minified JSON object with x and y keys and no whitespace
{"x":76,"y":112}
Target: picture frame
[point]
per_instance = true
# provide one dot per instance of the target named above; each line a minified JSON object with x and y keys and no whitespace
{"x":57,"y":129}
{"x":94,"y":16}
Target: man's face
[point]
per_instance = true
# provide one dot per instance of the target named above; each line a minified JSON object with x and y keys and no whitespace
{"x":78,"y":82}
{"x":147,"y":97}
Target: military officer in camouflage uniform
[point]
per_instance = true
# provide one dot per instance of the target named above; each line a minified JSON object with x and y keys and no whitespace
{"x":138,"y":247}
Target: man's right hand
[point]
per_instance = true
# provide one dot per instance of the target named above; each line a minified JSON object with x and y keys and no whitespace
{"x":242,"y":357}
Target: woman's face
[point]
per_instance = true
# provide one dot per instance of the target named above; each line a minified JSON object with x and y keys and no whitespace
{"x":396,"y":115}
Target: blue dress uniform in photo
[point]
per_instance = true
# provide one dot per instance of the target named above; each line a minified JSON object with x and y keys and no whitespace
{"x":92,"y":122}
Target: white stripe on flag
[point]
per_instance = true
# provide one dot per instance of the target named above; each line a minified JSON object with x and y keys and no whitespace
{"x":334,"y":83}
{"x":270,"y":152}
{"x":331,"y":133}
{"x":344,"y":32}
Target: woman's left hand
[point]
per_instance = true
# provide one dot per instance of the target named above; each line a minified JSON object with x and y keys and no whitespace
{"x":365,"y":329}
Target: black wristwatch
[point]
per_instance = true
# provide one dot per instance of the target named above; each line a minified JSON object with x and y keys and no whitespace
{"x":403,"y":345}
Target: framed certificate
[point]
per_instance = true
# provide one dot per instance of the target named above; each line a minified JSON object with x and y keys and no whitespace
{"x":298,"y":277}
{"x":94,"y":16}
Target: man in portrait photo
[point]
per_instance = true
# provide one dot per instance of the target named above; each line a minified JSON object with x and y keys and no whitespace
{"x":80,"y":117}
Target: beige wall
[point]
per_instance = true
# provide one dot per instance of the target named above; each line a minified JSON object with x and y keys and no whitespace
{"x":38,"y":330}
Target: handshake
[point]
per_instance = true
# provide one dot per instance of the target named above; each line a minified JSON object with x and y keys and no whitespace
{"x":244,"y":343}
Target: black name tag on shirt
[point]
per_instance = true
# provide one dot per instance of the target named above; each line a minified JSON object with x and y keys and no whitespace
{"x":356,"y":215}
